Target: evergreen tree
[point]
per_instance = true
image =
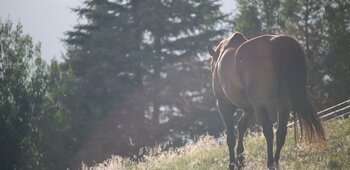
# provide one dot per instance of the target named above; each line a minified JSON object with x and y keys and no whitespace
{"x":177,"y":30}
{"x":127,"y":60}
{"x":248,"y":21}
{"x":100,"y":55}
{"x":337,"y":62}
{"x":269,"y":16}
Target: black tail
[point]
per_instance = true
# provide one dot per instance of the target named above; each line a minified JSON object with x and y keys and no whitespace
{"x":293,"y":66}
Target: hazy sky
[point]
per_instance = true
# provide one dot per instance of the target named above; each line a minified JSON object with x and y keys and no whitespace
{"x":47,"y":20}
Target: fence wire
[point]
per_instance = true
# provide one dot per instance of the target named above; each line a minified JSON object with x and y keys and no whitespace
{"x":338,"y":111}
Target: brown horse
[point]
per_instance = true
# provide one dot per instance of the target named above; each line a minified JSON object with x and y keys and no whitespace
{"x":266,"y":77}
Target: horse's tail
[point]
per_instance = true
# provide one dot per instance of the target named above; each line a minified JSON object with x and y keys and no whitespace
{"x":293,"y":71}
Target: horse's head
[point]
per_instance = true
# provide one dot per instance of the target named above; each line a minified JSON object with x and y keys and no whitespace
{"x":232,"y":42}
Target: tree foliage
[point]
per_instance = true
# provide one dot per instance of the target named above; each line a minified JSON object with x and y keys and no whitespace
{"x":35,"y":125}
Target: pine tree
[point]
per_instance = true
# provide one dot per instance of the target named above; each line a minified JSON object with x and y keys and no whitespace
{"x":125,"y":59}
{"x":178,"y":30}
{"x":248,"y":20}
{"x":337,"y":62}
{"x":269,"y":15}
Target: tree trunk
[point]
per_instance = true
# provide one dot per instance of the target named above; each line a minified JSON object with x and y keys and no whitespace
{"x":156,"y":79}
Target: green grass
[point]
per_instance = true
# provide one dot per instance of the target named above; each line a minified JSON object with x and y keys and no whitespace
{"x":207,"y":153}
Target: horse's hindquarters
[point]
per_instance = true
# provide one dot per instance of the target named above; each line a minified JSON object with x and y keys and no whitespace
{"x":259,"y":72}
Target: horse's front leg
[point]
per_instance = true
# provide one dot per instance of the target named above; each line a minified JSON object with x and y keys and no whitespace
{"x":242,"y":128}
{"x":227,"y":110}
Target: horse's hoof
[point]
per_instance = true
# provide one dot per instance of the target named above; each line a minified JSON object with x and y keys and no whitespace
{"x":233,"y":166}
{"x":241,"y":165}
{"x":277,"y":160}
{"x":241,"y":161}
{"x":273,"y":166}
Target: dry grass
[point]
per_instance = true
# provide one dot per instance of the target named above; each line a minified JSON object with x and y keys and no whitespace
{"x":210,"y":153}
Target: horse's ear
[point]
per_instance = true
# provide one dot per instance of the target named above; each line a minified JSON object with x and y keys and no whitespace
{"x":212,"y":53}
{"x":236,"y":39}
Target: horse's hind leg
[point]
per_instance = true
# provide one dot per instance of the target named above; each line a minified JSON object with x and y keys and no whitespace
{"x":264,"y":120}
{"x":281,"y":133}
{"x":242,"y":128}
{"x":227,"y":110}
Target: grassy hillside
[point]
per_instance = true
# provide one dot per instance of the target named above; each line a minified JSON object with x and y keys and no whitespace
{"x":209,"y":153}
